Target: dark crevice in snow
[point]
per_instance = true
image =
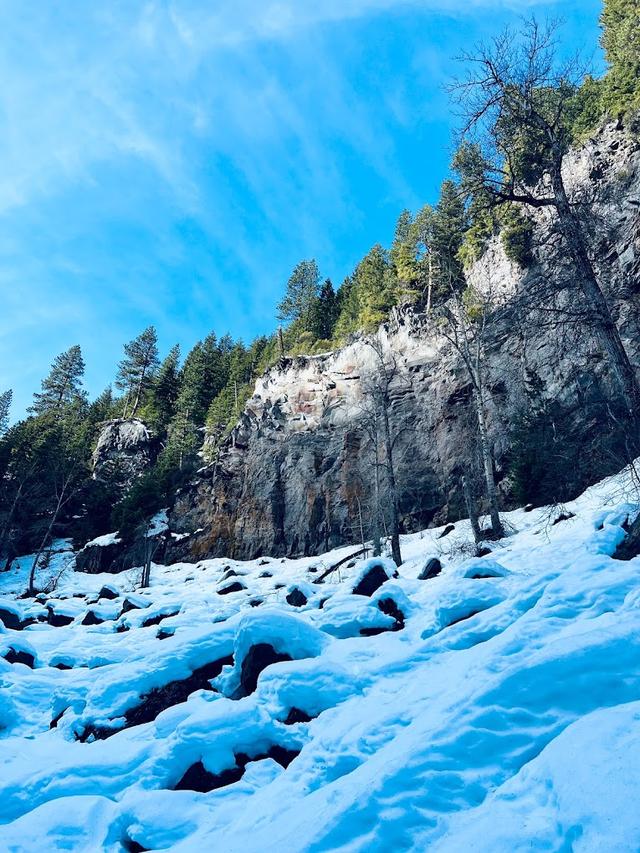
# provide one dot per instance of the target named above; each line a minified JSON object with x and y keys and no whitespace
{"x":233,"y":587}
{"x":564,"y":516}
{"x":431,"y":569}
{"x":10,"y":619}
{"x":371,"y":581}
{"x":54,"y":723}
{"x":91,"y":618}
{"x":483,"y":575}
{"x":389,"y":607}
{"x":19,"y":656}
{"x":163,"y":634}
{"x":131,"y":846}
{"x":57,"y":620}
{"x":483,"y":551}
{"x":258,"y":658}
{"x":156,"y":620}
{"x":130,"y":605}
{"x":463,"y":618}
{"x":198,"y":778}
{"x":297,"y":715}
{"x":108,"y":592}
{"x":161,"y":698}
{"x":296,"y":598}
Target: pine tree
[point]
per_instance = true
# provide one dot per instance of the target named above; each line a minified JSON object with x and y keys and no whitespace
{"x":620,"y":39}
{"x":449,"y":222}
{"x":323,"y":313}
{"x":403,"y":254}
{"x":481,"y":219}
{"x":377,"y":287}
{"x":167,"y":386}
{"x":63,"y":384}
{"x":183,"y":440}
{"x":347,"y":309}
{"x":302,"y":291}
{"x":102,"y":407}
{"x":137,"y":370}
{"x":5,"y":406}
{"x":204,"y":374}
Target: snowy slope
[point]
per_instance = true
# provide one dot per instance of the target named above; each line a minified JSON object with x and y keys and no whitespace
{"x":495,"y":707}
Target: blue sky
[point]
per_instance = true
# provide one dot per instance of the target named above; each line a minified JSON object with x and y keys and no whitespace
{"x":170,"y":161}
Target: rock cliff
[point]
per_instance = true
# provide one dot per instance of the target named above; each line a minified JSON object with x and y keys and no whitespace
{"x":295,"y":476}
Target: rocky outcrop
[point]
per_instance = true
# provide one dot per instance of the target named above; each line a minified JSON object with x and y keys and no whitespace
{"x":124,"y":450}
{"x":104,"y":554}
{"x":296,"y":474}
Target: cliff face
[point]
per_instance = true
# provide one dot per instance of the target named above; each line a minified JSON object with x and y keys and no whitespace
{"x":297,"y":473}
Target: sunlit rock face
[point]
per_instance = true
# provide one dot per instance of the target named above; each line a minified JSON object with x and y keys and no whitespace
{"x":296,"y":474}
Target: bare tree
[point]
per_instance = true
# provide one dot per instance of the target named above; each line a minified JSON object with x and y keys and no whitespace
{"x":517,"y":101}
{"x":64,"y":489}
{"x":377,"y":392}
{"x":463,"y":322}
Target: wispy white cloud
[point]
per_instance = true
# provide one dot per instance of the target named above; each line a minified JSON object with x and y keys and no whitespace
{"x":168,"y":161}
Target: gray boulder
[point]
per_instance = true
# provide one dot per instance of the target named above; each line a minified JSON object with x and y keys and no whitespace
{"x":124,"y":450}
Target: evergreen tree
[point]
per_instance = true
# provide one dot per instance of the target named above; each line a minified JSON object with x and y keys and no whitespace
{"x":323,"y":313}
{"x":137,"y":370}
{"x":377,"y":287}
{"x":204,"y":374}
{"x":470,"y":166}
{"x":620,"y":39}
{"x":403,"y":254}
{"x":449,"y":223}
{"x":5,"y":406}
{"x":183,"y":440}
{"x":102,"y":408}
{"x":63,"y":384}
{"x":347,"y":309}
{"x":167,"y":386}
{"x":301,"y":294}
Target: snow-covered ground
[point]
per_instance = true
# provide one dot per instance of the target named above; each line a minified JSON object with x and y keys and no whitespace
{"x":495,"y":707}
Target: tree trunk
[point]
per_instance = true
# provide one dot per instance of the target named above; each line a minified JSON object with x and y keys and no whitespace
{"x":487,"y":465}
{"x":377,"y":523}
{"x":34,"y":566}
{"x":136,"y":402}
{"x":395,"y":513}
{"x":471,"y":510}
{"x":4,"y":535}
{"x":62,"y":499}
{"x":607,"y":329}
{"x":362,"y":542}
